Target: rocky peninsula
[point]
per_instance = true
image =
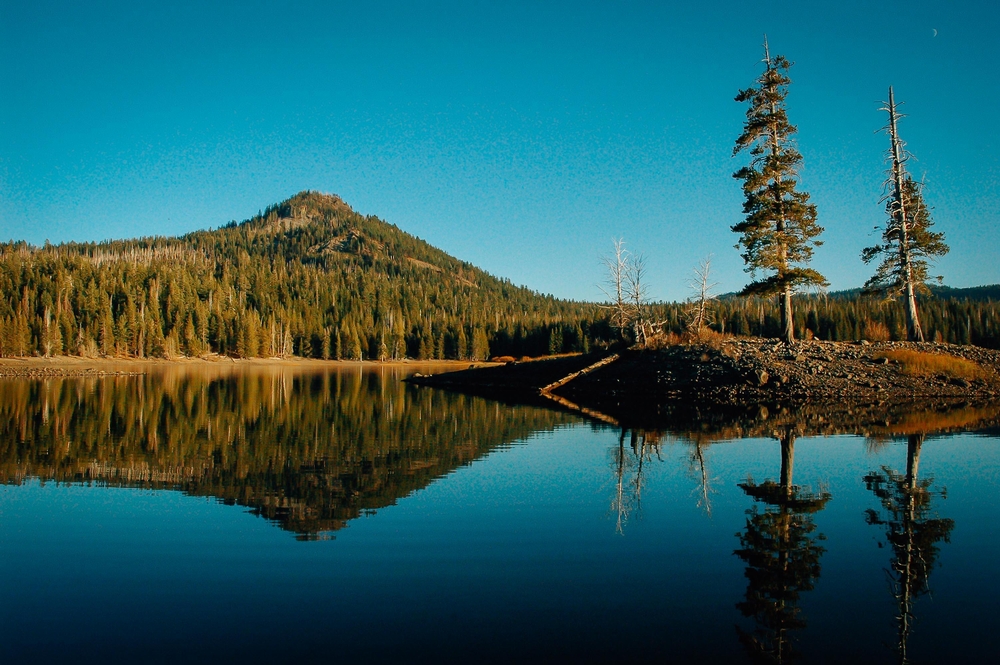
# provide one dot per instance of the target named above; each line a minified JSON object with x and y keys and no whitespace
{"x":839,"y":386}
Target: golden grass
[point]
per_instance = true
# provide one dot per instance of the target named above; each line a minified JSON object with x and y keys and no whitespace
{"x":921,"y":363}
{"x":707,"y":336}
{"x":876,"y":331}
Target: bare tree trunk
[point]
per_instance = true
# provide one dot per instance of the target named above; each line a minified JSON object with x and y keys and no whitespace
{"x":787,"y":319}
{"x":621,"y":277}
{"x":787,"y":462}
{"x":697,"y":314}
{"x":913,"y":329}
{"x":913,"y":443}
{"x":46,"y":334}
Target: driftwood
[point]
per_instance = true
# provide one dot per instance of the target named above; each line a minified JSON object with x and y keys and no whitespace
{"x":586,"y":370}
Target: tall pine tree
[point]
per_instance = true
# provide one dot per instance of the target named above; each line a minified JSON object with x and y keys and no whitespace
{"x":908,"y":241}
{"x":779,"y":230}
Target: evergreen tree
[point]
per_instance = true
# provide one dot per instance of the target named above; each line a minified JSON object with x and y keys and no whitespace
{"x":778,"y":232}
{"x":908,"y":241}
{"x":462,"y":351}
{"x":354,"y":344}
{"x":555,"y":340}
{"x":327,"y":333}
{"x":480,"y":345}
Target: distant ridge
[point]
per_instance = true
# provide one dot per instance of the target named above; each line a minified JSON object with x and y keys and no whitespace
{"x":988,"y":292}
{"x":978,"y":293}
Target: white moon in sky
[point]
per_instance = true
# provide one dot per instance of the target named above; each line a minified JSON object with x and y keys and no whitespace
{"x":935,"y":32}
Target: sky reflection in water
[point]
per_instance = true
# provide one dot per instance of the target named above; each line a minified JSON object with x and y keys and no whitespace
{"x":454,"y":528}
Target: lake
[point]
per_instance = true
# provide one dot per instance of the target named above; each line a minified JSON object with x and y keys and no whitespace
{"x":274,"y":514}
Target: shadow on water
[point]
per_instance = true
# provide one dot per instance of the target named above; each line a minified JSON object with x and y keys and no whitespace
{"x":307,"y":450}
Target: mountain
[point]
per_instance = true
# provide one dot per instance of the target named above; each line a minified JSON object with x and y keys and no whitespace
{"x":308,"y":276}
{"x":312,"y":277}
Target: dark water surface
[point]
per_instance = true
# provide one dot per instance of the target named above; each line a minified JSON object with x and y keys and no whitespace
{"x":273,"y":515}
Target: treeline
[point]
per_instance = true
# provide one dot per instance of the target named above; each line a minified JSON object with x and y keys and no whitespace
{"x":308,"y":277}
{"x":952,"y":320}
{"x":312,"y":278}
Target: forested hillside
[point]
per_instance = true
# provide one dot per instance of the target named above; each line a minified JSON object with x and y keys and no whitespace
{"x":313,"y":278}
{"x":308,"y":276}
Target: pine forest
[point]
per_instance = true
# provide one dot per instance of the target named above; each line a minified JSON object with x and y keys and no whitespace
{"x":310,"y":277}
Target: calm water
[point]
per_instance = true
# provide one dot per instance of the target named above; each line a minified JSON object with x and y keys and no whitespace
{"x":275,"y":516}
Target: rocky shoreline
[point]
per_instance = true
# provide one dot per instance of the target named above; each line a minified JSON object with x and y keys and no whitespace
{"x":740,"y":380}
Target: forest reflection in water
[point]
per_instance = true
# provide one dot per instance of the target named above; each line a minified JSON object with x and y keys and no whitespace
{"x":309,"y":450}
{"x":312,"y":450}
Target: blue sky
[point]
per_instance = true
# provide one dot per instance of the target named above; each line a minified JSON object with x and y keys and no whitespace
{"x":521,"y":137}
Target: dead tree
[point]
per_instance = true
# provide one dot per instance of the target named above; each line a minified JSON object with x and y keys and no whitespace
{"x":635,"y":278}
{"x":697,"y":312}
{"x":620,"y":276}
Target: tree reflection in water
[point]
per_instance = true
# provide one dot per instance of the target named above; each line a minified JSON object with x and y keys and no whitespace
{"x":307,"y":449}
{"x":911,"y":531}
{"x":629,"y":464}
{"x":782,"y":558}
{"x":629,"y":472}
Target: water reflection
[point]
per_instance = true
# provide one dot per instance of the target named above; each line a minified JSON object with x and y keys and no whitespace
{"x":308,"y":450}
{"x":780,"y":545}
{"x":912,"y":532}
{"x":782,"y":558}
{"x":628,"y":468}
{"x":630,"y":463}
{"x":698,"y":460}
{"x":521,"y":534}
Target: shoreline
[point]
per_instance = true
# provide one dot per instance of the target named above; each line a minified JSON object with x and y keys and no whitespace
{"x":741,"y":379}
{"x":55,"y":366}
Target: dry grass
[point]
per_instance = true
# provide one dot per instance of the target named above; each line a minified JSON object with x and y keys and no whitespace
{"x":707,"y":337}
{"x":663,"y":341}
{"x":920,"y":363}
{"x":875,"y":331}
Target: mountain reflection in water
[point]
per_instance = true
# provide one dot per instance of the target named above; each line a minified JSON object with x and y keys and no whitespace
{"x":734,"y":537}
{"x":309,"y":450}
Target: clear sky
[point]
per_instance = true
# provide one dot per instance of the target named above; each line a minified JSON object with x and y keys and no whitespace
{"x":521,"y":137}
